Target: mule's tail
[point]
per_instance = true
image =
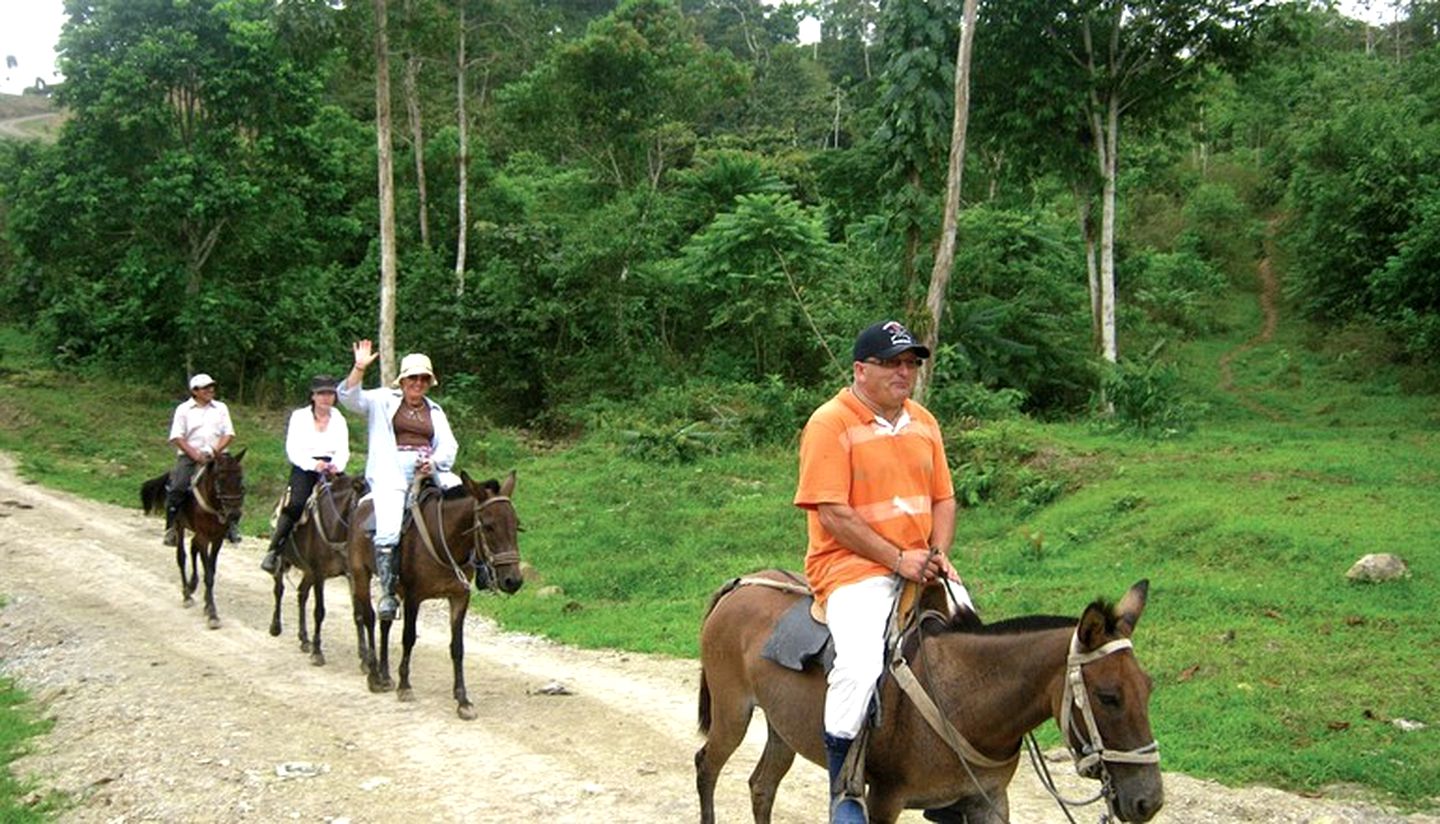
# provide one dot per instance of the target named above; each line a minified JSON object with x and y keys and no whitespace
{"x":152,"y":494}
{"x":704,"y":701}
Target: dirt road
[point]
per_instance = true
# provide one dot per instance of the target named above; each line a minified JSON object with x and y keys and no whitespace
{"x":159,"y":719}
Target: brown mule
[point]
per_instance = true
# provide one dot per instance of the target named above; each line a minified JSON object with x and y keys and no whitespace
{"x":217,"y":497}
{"x":470,"y":534}
{"x":993,"y":684}
{"x":317,"y":547}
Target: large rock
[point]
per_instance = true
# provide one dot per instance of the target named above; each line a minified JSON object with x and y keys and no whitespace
{"x":1378,"y":567}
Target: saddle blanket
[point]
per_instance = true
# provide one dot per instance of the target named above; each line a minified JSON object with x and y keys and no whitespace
{"x":798,"y":639}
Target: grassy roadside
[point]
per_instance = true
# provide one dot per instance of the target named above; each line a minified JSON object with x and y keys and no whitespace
{"x":1270,"y":667}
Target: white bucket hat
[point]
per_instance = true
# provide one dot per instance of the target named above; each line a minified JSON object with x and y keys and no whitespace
{"x":201,"y":380}
{"x":415,"y":364}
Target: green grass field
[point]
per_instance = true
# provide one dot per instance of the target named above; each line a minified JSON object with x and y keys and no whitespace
{"x":1270,"y":666}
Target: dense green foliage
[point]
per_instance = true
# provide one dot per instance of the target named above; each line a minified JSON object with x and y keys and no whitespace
{"x":678,"y":216}
{"x":658,"y":186}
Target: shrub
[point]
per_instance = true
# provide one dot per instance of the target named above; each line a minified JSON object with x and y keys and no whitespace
{"x":1145,"y":396}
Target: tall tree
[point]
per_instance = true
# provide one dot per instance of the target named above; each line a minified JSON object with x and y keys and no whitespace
{"x":1102,"y":64}
{"x":945,"y":249}
{"x":385,"y":172}
{"x":917,"y":85}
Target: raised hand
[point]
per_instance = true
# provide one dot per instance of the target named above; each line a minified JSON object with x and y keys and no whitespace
{"x":364,"y":354}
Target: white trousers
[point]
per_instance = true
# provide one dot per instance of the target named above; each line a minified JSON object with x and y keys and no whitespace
{"x":857,"y":614}
{"x":390,"y":507}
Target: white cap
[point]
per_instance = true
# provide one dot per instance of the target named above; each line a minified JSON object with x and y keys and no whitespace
{"x":200,"y":380}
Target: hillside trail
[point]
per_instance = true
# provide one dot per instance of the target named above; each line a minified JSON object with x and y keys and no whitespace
{"x":20,"y":128}
{"x":1269,"y":298}
{"x":157,"y":719}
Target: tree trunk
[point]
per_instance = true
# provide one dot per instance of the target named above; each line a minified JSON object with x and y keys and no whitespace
{"x":417,"y":139}
{"x":462,"y":162}
{"x":386,"y":173}
{"x":945,"y":254}
{"x":1107,"y":230}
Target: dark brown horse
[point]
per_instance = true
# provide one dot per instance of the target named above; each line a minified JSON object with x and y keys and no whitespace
{"x":217,"y":496}
{"x":991,"y":684}
{"x":469,"y":533}
{"x":317,"y":547}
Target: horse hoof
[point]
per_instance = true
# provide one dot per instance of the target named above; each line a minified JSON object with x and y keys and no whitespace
{"x":407,"y":695}
{"x":466,"y":712}
{"x":275,"y":630}
{"x":188,"y":602}
{"x":212,"y":622}
{"x":317,"y":659}
{"x":304,"y":646}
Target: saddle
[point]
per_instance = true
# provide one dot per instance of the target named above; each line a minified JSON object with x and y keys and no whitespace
{"x":799,"y":640}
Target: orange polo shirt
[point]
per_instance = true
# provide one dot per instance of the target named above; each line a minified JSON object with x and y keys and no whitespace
{"x":890,"y":477}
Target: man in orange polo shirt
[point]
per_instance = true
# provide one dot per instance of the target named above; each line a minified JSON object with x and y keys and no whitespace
{"x":877,"y":489}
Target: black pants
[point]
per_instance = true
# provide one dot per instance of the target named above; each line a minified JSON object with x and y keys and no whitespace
{"x":302,"y":483}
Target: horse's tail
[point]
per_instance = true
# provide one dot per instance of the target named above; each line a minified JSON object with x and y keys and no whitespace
{"x":152,"y":493}
{"x":704,"y":701}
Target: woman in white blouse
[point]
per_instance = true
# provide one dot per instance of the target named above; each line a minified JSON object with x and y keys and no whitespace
{"x":317,"y":441}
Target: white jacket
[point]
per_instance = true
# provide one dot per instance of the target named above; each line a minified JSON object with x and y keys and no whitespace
{"x":383,"y":462}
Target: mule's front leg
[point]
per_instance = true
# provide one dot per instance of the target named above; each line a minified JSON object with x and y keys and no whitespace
{"x":279,"y":589}
{"x":187,"y":592}
{"x":407,"y":645}
{"x":302,"y":599}
{"x":212,"y":560}
{"x":317,"y":656}
{"x":458,"y":607}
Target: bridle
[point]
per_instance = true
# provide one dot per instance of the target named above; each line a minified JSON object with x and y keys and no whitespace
{"x":230,"y":505}
{"x":1090,"y":754}
{"x":480,"y":554}
{"x":324,"y":497}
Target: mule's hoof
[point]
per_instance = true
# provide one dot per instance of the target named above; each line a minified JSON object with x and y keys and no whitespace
{"x":275,"y":630}
{"x":407,"y":695}
{"x":466,"y":712}
{"x":188,"y":602}
{"x":212,"y":622}
{"x":317,"y":659}
{"x":305,"y":646}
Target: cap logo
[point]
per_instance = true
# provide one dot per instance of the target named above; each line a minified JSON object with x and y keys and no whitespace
{"x":899,"y":335}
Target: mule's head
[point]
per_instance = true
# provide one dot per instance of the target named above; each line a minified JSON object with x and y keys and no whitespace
{"x":499,"y":534}
{"x":1107,"y":699}
{"x":229,"y":479}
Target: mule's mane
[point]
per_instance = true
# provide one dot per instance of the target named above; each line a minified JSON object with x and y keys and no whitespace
{"x":968,"y":622}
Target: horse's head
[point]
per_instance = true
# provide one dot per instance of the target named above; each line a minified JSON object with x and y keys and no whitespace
{"x":497,"y":533}
{"x":1105,"y":712}
{"x":228,"y":478}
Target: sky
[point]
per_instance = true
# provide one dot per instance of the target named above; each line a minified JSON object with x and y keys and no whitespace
{"x":30,"y":28}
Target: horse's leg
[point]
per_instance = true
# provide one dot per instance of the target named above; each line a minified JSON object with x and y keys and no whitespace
{"x":459,"y":604}
{"x":729,"y":718}
{"x":195,"y":549}
{"x":186,"y":593}
{"x":408,"y":634}
{"x":317,"y":657}
{"x":212,"y":560}
{"x":275,"y":627}
{"x":386,"y":683}
{"x":302,"y":598}
{"x":974,"y":809}
{"x":364,"y":616}
{"x":774,"y":762}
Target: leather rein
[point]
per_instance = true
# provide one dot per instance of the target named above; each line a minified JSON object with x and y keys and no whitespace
{"x":479,"y":552}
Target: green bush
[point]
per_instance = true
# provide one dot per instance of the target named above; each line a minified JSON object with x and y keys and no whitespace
{"x":1145,"y":396}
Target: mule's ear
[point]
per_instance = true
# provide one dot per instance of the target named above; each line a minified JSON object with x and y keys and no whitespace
{"x":1127,"y":612}
{"x":465,"y":478}
{"x":239,"y":456}
{"x":1091,"y":630}
{"x":508,"y":487}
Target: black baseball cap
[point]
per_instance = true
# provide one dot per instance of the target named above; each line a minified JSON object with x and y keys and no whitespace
{"x":886,"y":339}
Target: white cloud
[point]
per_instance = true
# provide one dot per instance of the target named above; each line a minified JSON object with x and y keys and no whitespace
{"x":29,"y":30}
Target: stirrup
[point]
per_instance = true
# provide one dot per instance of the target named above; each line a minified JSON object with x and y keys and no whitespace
{"x":838,"y":801}
{"x":171,"y":538}
{"x":271,"y":561}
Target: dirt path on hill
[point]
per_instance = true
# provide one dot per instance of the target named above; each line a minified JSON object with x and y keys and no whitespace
{"x":158,"y":719}
{"x":1269,"y":298}
{"x":18,"y":128}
